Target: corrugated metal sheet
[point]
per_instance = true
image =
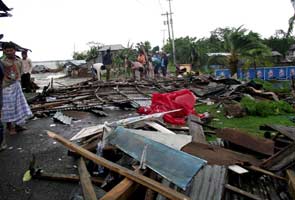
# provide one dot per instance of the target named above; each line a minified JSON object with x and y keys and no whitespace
{"x":208,"y":184}
{"x":176,"y":166}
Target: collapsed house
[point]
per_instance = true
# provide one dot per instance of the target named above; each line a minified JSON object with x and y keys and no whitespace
{"x":145,"y":157}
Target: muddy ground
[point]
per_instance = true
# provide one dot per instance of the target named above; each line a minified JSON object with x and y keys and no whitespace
{"x":50,"y":156}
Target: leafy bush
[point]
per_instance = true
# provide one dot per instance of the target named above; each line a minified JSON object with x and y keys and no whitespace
{"x":266,"y":108}
{"x":275,"y":86}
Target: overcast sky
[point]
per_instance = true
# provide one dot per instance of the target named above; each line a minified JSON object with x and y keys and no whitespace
{"x":52,"y":28}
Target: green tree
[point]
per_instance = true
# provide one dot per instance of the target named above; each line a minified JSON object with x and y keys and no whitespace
{"x":279,"y":42}
{"x":184,"y":51}
{"x":91,"y":53}
{"x":291,"y":21}
{"x":258,"y":56}
{"x":79,"y":56}
{"x":239,"y":42}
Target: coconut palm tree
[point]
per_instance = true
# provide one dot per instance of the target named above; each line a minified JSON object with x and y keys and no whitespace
{"x":291,"y":21}
{"x":258,"y":56}
{"x":239,"y":43}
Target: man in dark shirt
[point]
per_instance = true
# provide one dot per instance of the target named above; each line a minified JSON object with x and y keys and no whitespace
{"x":107,"y":62}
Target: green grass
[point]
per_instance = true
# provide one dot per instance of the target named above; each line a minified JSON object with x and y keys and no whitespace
{"x":249,"y":124}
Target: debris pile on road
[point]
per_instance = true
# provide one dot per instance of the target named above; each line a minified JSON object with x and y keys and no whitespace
{"x":151,"y":157}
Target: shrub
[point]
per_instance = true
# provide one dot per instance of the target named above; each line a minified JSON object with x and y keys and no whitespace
{"x":265,"y":108}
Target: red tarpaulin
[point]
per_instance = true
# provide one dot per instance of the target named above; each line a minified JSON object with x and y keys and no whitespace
{"x":182,"y":99}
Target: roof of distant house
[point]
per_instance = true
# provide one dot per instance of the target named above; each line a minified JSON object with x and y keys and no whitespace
{"x":75,"y":63}
{"x":4,"y":10}
{"x":112,"y":47}
{"x":276,"y":53}
{"x":218,"y":54}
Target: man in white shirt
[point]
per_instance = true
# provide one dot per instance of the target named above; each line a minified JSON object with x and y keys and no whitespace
{"x":98,"y":69}
{"x":27,"y":70}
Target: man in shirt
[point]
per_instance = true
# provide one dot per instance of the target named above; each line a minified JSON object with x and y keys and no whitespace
{"x":27,"y":70}
{"x":2,"y":143}
{"x":107,"y":62}
{"x":15,"y":109}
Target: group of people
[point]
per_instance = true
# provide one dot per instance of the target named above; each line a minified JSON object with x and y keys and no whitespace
{"x":144,"y":65}
{"x":149,"y":67}
{"x":14,"y":107}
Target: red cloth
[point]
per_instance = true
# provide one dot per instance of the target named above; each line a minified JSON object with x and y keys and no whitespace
{"x":182,"y":99}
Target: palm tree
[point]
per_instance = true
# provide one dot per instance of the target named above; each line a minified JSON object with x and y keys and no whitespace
{"x":291,"y":21}
{"x":258,"y":56}
{"x":239,"y":43}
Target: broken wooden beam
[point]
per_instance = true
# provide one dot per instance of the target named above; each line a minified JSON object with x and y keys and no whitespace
{"x":147,"y":182}
{"x":241,"y":192}
{"x":87,"y":187}
{"x":263,"y":171}
{"x":65,"y":177}
{"x":281,"y":159}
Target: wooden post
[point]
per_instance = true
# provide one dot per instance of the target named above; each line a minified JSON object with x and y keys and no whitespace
{"x":147,"y":182}
{"x":242,"y":192}
{"x":87,"y":187}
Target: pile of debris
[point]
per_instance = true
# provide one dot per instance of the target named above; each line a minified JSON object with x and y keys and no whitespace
{"x":144,"y":157}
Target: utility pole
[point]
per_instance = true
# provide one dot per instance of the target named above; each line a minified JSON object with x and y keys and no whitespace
{"x":172,"y":31}
{"x":164,"y":39}
{"x":167,"y":23}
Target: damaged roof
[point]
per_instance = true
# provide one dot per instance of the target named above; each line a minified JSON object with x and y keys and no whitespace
{"x":112,"y":47}
{"x":4,"y":10}
{"x":18,"y":47}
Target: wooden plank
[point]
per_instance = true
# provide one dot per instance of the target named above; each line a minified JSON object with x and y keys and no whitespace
{"x":122,"y":191}
{"x":263,"y":171}
{"x":291,"y":182}
{"x":251,"y":142}
{"x":165,"y":191}
{"x":65,"y":177}
{"x":242,"y":192}
{"x":196,"y":130}
{"x":87,"y":187}
{"x":88,"y":131}
{"x":159,"y":127}
{"x":288,"y":131}
{"x":216,"y":155}
{"x":281,"y":159}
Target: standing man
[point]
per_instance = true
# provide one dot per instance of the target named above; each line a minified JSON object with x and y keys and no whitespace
{"x":15,"y":108}
{"x":107,"y":62}
{"x":164,"y":64}
{"x":27,"y":69}
{"x":2,"y":144}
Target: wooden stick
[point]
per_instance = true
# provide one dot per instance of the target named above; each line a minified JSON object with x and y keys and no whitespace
{"x":87,"y":187}
{"x":65,"y":177}
{"x":258,"y":169}
{"x":163,"y":190}
{"x":242,"y":192}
